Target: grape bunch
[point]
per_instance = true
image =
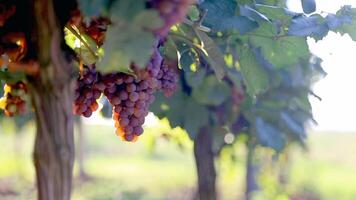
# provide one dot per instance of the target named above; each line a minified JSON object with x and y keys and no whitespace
{"x":131,"y":97}
{"x":14,"y":100}
{"x":171,"y":12}
{"x":89,"y":88}
{"x":168,"y":79}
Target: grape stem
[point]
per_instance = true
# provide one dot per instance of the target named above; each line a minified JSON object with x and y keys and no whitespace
{"x":198,"y":26}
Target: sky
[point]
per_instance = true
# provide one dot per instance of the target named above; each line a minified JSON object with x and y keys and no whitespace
{"x":337,"y":110}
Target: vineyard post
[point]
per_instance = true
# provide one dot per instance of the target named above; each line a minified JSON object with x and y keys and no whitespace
{"x":52,"y":98}
{"x":204,"y":159}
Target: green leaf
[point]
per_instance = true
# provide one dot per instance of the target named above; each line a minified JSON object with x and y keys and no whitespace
{"x":309,"y":6}
{"x":349,"y":28}
{"x":196,"y":116}
{"x":86,"y":56}
{"x":221,"y":16}
{"x":274,"y":12}
{"x":292,"y":123}
{"x":172,"y":108}
{"x":193,"y":13}
{"x":348,"y":18}
{"x":280,"y":50}
{"x":234,"y":76}
{"x":12,"y":77}
{"x":194,"y":79}
{"x":85,"y":47}
{"x":314,"y":26}
{"x":252,"y":13}
{"x":212,"y":54}
{"x":123,"y":10}
{"x":129,"y":40}
{"x":186,"y":60}
{"x":123,"y":45}
{"x":254,"y":75}
{"x":93,"y":7}
{"x":269,"y":135}
{"x":211,"y":91}
{"x":149,"y":19}
{"x":170,"y":49}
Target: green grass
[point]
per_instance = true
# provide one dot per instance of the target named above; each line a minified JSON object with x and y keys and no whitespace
{"x":126,"y":171}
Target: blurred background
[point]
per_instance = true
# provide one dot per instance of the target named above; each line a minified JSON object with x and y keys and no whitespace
{"x":160,"y":166}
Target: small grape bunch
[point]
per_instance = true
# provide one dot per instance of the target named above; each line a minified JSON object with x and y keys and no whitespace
{"x":14,"y":100}
{"x":168,"y":79}
{"x":89,"y":88}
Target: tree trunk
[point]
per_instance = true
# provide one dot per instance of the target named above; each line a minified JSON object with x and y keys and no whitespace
{"x":52,"y":98}
{"x":204,"y":159}
{"x":251,"y":172}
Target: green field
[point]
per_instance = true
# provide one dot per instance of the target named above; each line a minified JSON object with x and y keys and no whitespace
{"x":137,"y":171}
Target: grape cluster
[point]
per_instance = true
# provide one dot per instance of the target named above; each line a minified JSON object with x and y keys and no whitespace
{"x":89,"y":88}
{"x":14,"y":100}
{"x":130,"y":98}
{"x":129,"y":95}
{"x":171,"y":12}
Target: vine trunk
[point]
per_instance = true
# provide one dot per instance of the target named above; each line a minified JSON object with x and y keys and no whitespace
{"x":52,"y":97}
{"x":204,"y":159}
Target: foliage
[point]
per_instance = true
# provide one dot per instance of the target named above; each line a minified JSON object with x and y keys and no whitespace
{"x":267,"y":61}
{"x":244,"y":66}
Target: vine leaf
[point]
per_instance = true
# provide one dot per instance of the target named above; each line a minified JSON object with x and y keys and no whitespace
{"x":93,"y":7}
{"x":181,"y":110}
{"x":269,"y":135}
{"x":194,"y":79}
{"x":172,"y":108}
{"x":309,"y":26}
{"x":309,"y":6}
{"x":195,"y":117}
{"x":350,"y":26}
{"x":212,"y":54}
{"x":123,"y":47}
{"x":252,"y":13}
{"x":281,"y":51}
{"x":274,"y":13}
{"x":221,"y":16}
{"x":292,"y":124}
{"x":211,"y":91}
{"x":82,"y":44}
{"x":254,"y":76}
{"x":129,"y":40}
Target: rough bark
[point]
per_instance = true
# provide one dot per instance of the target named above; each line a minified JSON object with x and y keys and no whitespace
{"x":251,"y":172}
{"x":52,"y":97}
{"x":204,"y":159}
